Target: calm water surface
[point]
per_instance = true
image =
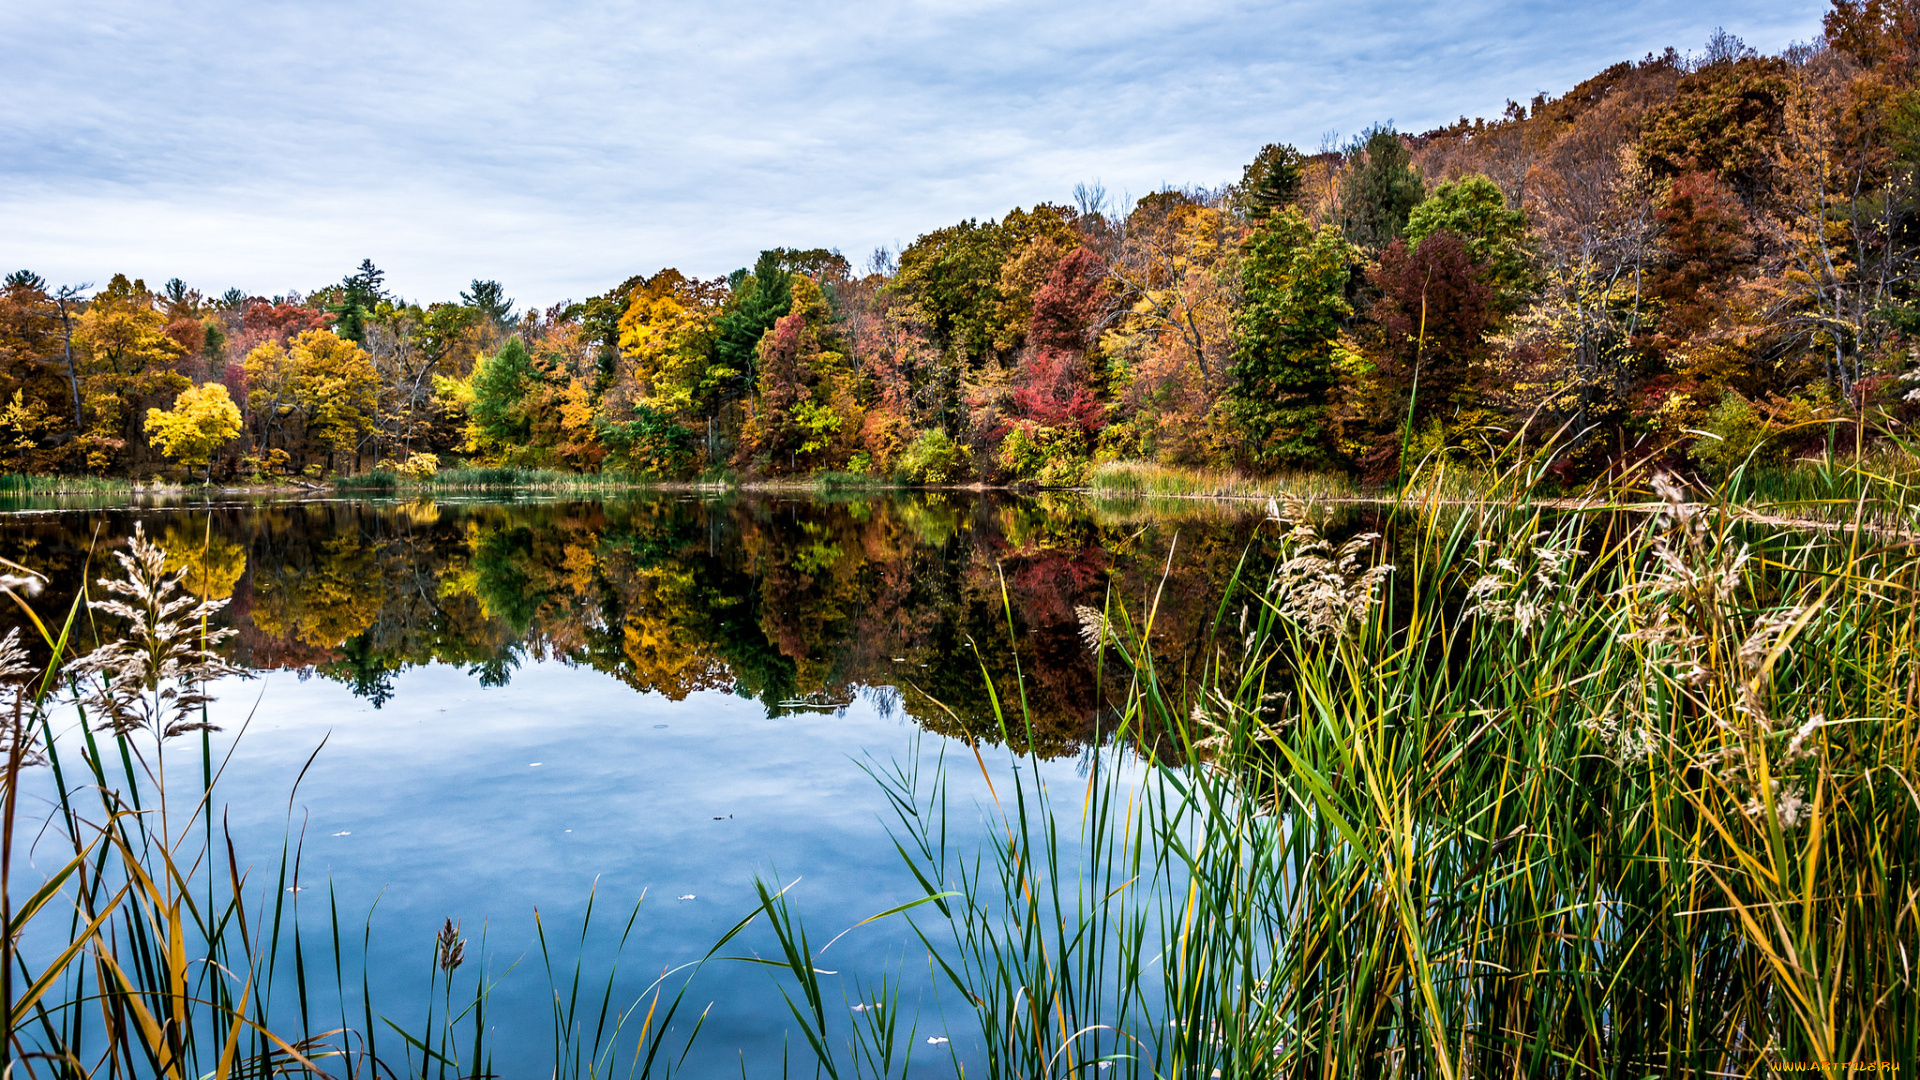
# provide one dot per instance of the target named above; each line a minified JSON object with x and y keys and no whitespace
{"x":524,"y":705}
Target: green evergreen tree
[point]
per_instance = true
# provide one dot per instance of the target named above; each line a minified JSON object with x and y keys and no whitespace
{"x":1295,"y":284}
{"x":759,"y":300}
{"x":1270,"y":181}
{"x":490,"y":300}
{"x":1381,"y":189}
{"x":360,"y":292}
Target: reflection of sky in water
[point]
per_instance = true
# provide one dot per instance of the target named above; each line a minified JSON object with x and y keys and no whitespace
{"x":432,"y":802}
{"x":445,"y":815}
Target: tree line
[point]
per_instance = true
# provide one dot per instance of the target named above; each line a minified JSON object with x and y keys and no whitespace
{"x":1704,"y":257}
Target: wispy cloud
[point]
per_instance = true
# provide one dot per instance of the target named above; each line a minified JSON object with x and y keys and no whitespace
{"x":273,"y":145}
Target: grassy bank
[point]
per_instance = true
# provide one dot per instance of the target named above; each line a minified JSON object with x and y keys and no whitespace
{"x":1144,"y":479}
{"x":488,"y":478}
{"x":1836,"y":486}
{"x":27,"y":484}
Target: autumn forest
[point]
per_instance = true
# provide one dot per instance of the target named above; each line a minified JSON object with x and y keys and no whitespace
{"x":1703,"y":259}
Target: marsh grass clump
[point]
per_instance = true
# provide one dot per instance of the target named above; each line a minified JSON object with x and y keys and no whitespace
{"x":1317,"y":587}
{"x":154,"y":675}
{"x":1586,"y":794}
{"x":1522,"y":584}
{"x":1142,"y":479}
{"x":34,"y":483}
{"x":380,"y":481}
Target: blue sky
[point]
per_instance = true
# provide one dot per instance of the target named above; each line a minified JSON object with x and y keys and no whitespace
{"x":559,"y":148}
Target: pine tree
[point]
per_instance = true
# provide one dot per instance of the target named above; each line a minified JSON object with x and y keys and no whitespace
{"x":1296,"y":305}
{"x":490,"y":300}
{"x":1271,"y":181}
{"x":360,"y":292}
{"x":760,"y":299}
{"x":1381,"y":190}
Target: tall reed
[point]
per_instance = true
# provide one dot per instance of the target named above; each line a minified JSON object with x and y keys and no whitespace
{"x":1579,"y":795}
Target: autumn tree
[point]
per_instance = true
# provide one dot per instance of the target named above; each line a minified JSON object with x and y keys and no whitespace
{"x":314,"y":396}
{"x":1046,"y":422}
{"x":1705,"y":239}
{"x":1437,"y":304}
{"x":203,"y":419}
{"x":489,"y":301}
{"x":27,"y":293}
{"x":1569,"y":361}
{"x":1843,"y":215}
{"x":1876,"y":33}
{"x":128,"y":361}
{"x":957,"y":278}
{"x":1473,"y":209}
{"x":1727,"y":119}
{"x":567,"y":425}
{"x":805,"y":412}
{"x":501,"y":385}
{"x":668,"y":337}
{"x":31,"y":387}
{"x":1176,"y":278}
{"x":277,"y":320}
{"x":904,"y":377}
{"x":1272,"y":180}
{"x":1070,"y":306}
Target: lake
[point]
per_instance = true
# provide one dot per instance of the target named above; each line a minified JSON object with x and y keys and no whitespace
{"x":493,"y":708}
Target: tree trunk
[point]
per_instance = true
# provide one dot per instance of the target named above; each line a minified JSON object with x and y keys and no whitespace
{"x":66,"y":333}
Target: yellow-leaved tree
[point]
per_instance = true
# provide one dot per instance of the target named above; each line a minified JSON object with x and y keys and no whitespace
{"x":202,"y":420}
{"x":666,"y":340}
{"x":129,"y":361}
{"x":316,"y":396}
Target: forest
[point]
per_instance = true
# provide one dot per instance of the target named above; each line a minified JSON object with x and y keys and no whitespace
{"x":1702,"y":260}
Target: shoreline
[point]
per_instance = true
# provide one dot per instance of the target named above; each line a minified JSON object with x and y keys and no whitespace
{"x":1759,"y":512}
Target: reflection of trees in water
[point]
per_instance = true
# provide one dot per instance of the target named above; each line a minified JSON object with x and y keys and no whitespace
{"x":209,"y":564}
{"x":794,"y":603}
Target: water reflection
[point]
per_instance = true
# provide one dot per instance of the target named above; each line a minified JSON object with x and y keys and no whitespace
{"x":795,"y":603}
